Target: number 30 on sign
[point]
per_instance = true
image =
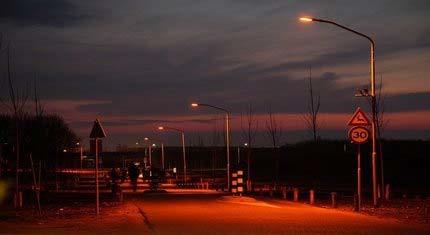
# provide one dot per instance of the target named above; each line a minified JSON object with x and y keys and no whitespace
{"x":358,"y":135}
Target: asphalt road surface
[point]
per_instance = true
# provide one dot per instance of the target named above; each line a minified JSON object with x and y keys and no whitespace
{"x":214,"y":214}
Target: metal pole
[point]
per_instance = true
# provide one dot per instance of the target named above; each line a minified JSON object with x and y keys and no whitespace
{"x":227,"y":137}
{"x":150,"y":155}
{"x":97,"y":176}
{"x":81,"y":156}
{"x":359,"y":176}
{"x":238,"y":155}
{"x":373,"y":97}
{"x":183,"y":156}
{"x":162,"y":155}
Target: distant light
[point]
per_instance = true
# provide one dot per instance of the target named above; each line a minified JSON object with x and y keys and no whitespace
{"x":246,"y":144}
{"x":77,"y":143}
{"x":64,"y":150}
{"x":305,"y":19}
{"x":153,"y":145}
{"x":194,"y":105}
{"x":137,"y":143}
{"x":146,"y":138}
{"x":174,"y":169}
{"x":161,"y":128}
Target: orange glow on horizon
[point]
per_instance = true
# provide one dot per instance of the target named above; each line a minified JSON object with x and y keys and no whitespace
{"x":398,"y":121}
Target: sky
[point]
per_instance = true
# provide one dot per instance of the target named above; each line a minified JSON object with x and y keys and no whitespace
{"x":137,"y":64}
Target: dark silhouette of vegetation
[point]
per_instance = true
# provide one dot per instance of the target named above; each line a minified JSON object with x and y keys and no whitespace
{"x":311,"y":116}
{"x":381,"y":124}
{"x":274,"y":132}
{"x":26,"y":138}
{"x":249,"y":126}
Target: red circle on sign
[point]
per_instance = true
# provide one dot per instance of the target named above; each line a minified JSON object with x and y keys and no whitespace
{"x":358,"y":135}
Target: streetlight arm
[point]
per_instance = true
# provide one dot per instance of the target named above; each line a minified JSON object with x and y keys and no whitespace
{"x":153,"y":139}
{"x":346,"y":28}
{"x":372,"y":51}
{"x":215,"y":107}
{"x":172,"y":128}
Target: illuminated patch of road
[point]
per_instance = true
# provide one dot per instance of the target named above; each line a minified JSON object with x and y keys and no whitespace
{"x":247,"y":201}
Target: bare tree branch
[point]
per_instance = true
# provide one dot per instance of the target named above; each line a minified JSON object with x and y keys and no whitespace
{"x":249,"y":130}
{"x":311,"y":116}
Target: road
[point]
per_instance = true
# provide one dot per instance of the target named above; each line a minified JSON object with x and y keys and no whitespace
{"x":203,"y":212}
{"x":214,"y":214}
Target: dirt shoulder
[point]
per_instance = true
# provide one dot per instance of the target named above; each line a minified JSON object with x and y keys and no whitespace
{"x":77,"y":218}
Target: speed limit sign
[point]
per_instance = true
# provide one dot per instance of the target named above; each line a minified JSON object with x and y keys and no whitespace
{"x":358,"y":135}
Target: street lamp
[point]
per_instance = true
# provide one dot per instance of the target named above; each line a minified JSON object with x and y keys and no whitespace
{"x":162,"y":128}
{"x":372,"y":95}
{"x":227,"y":134}
{"x":162,"y":149}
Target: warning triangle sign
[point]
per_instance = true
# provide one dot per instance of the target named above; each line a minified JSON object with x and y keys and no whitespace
{"x":97,"y":131}
{"x":359,"y":119}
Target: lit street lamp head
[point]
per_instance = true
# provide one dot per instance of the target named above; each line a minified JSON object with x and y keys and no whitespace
{"x":305,"y":19}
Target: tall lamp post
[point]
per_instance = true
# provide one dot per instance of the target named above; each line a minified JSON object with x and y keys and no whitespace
{"x":372,"y":96}
{"x":81,"y":151}
{"x":161,"y":128}
{"x":227,"y":135}
{"x":162,"y":149}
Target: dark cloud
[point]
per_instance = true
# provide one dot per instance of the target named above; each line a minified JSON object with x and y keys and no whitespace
{"x":56,"y":13}
{"x":407,"y":102}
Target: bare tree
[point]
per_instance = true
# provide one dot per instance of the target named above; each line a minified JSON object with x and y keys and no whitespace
{"x":381,"y":123}
{"x":274,"y":132}
{"x":249,"y":126}
{"x":37,"y":104}
{"x":311,"y":116}
{"x":16,"y":104}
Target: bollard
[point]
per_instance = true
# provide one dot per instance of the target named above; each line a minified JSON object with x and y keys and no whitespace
{"x":405,"y":200}
{"x":387,"y":192}
{"x":284,"y":193}
{"x":20,"y":199}
{"x":121,"y":197}
{"x":356,"y":204}
{"x":333,"y":199}
{"x":426,"y":210}
{"x":296,"y":194}
{"x":311,"y":197}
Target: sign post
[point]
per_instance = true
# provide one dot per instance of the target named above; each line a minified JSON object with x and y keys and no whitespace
{"x":359,"y":135}
{"x":97,"y":132}
{"x":359,"y":176}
